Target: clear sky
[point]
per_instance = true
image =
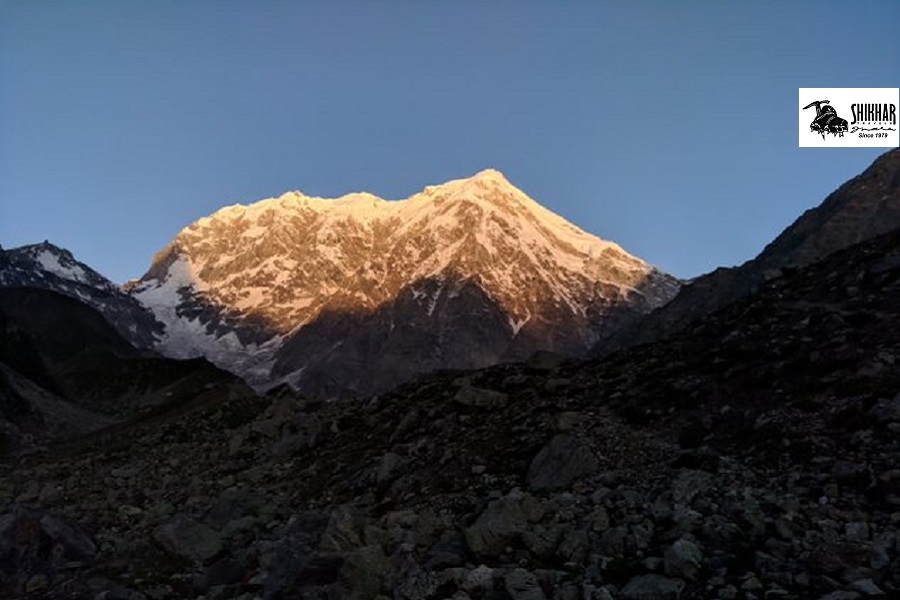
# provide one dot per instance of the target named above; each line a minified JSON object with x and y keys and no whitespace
{"x":668,"y":127}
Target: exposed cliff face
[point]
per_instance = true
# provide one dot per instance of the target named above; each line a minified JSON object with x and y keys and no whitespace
{"x":863,"y":208}
{"x":366,"y":292}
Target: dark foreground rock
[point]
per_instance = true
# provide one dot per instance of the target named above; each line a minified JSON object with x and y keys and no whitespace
{"x":39,"y":549}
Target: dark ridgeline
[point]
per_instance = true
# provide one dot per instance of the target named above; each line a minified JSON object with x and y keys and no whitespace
{"x":50,"y":267}
{"x":865,"y":207}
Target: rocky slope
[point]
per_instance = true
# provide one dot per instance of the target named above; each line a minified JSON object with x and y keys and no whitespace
{"x":322,"y":294}
{"x":49,"y":267}
{"x":865,"y":207}
{"x":751,"y":456}
{"x":64,"y":371}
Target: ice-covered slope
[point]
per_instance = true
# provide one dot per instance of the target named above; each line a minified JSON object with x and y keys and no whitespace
{"x":309,"y":289}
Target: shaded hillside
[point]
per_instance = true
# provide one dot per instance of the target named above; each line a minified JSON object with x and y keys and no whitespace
{"x":865,"y":207}
{"x":49,"y":267}
{"x":65,"y":371}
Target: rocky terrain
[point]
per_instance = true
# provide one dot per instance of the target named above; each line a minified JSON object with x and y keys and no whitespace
{"x":358,"y":294}
{"x":752,"y":455}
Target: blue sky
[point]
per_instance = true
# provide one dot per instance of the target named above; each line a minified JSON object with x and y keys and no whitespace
{"x":668,"y":127}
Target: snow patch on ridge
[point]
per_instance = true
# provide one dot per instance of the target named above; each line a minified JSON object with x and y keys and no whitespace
{"x":186,"y":338}
{"x":49,"y":261}
{"x":517,"y":324}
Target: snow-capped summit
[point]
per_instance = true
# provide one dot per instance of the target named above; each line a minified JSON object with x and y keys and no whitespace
{"x":50,"y":267}
{"x":485,"y":274}
{"x":44,"y":260}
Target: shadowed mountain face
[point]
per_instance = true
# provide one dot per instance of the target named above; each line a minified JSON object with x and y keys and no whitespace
{"x":45,"y":332}
{"x":49,"y":267}
{"x":322,"y":293}
{"x":864,"y":207}
{"x":368,"y":351}
{"x":65,"y":371}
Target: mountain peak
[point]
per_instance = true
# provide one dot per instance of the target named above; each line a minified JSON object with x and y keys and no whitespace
{"x":492,"y":175}
{"x":297,"y":266}
{"x":485,"y":179}
{"x":47,"y":246}
{"x":50,"y":258}
{"x":488,"y":186}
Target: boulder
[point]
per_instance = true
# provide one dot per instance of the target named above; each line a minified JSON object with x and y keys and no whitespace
{"x":657,"y":587}
{"x":476,"y":397}
{"x":34,"y":546}
{"x":363,"y":571}
{"x":183,"y":536}
{"x":683,"y":559}
{"x":502,"y":523}
{"x":560,"y":463}
{"x":523,"y":585}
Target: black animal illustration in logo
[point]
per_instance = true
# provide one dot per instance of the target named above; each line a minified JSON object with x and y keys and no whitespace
{"x":826,"y":120}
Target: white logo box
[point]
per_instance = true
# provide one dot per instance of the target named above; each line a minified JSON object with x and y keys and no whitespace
{"x":871,"y":115}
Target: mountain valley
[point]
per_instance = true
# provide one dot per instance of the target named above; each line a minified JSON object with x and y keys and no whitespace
{"x":424,"y":423}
